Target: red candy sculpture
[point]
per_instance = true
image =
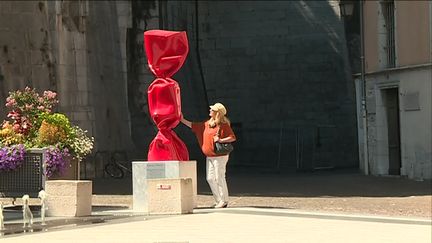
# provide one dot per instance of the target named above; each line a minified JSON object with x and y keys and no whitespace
{"x":166,"y":52}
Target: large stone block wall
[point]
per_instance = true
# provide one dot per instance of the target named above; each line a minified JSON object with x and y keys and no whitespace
{"x":281,"y":68}
{"x":25,"y":48}
{"x":78,"y":49}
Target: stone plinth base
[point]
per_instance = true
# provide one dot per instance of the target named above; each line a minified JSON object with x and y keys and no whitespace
{"x":170,"y":196}
{"x":69,"y":198}
{"x":143,"y":171}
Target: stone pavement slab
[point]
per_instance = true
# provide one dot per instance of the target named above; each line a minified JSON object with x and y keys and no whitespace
{"x":341,"y":191}
{"x":244,"y":225}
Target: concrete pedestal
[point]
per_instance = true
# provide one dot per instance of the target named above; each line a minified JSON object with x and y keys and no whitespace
{"x":169,"y":196}
{"x":69,"y":198}
{"x":143,"y":171}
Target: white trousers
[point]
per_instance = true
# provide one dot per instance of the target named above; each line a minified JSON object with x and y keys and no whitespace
{"x":216,"y":168}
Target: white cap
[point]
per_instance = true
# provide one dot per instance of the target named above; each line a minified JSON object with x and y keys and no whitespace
{"x":219,"y":107}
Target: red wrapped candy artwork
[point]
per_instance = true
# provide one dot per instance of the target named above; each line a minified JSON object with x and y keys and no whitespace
{"x":166,"y":52}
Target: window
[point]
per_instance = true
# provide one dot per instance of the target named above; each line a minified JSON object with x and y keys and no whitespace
{"x":388,"y":9}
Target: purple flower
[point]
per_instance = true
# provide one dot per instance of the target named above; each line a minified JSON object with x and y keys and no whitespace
{"x":56,"y":161}
{"x":11,"y":158}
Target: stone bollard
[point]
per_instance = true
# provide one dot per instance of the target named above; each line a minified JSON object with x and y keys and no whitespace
{"x":69,"y":198}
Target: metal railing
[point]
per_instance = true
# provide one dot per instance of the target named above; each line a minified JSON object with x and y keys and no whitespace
{"x":28,"y":179}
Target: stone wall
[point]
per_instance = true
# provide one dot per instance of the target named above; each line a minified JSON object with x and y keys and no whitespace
{"x":25,"y":55}
{"x":414,"y":89}
{"x":76,"y":48}
{"x":281,"y":68}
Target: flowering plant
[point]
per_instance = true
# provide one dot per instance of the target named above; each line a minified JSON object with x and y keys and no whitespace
{"x":27,"y":107}
{"x":11,"y":157}
{"x":80,"y":143}
{"x":32,"y":124}
{"x":56,"y":160}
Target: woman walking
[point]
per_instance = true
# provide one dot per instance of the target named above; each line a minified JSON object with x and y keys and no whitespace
{"x":215,"y":129}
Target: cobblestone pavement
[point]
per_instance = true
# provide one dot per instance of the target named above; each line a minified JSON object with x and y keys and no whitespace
{"x":330,"y":191}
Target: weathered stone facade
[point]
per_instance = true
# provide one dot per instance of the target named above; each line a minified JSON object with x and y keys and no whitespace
{"x":396,"y":126}
{"x":413,"y":85}
{"x":76,"y":48}
{"x":280,"y":67}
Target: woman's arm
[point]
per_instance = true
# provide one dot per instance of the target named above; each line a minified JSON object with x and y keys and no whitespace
{"x":226,"y":140}
{"x":227,"y":133}
{"x":186,"y":122}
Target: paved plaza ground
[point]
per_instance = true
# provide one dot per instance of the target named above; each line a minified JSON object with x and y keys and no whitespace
{"x":236,"y":225}
{"x":326,"y":206}
{"x":340,"y":191}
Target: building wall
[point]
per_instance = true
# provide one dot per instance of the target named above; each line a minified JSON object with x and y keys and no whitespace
{"x":413,"y":32}
{"x":417,"y":143}
{"x":412,"y":76}
{"x":75,"y":48}
{"x":412,"y":23}
{"x":430,"y":31}
{"x":281,"y":68}
{"x":24,"y":56}
{"x":415,"y":121}
{"x":371,"y":15}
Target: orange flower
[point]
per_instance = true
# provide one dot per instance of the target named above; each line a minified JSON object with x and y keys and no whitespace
{"x":51,"y":134}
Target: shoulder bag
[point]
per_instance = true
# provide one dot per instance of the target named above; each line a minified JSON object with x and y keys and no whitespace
{"x":222,"y":148}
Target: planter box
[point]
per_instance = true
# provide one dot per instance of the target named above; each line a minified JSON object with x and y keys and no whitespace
{"x":69,"y":198}
{"x":29,"y":179}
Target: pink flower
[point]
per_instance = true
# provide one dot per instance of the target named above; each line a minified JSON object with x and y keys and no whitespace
{"x":13,"y":114}
{"x":41,"y":107}
{"x":49,"y":94}
{"x":10,"y":102}
{"x":29,"y":107}
{"x":16,"y":127}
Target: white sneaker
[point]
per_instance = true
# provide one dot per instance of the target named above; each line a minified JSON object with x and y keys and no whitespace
{"x":222,"y":204}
